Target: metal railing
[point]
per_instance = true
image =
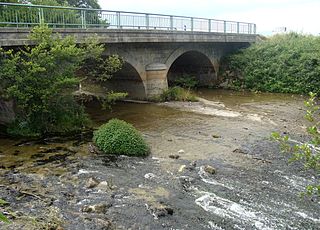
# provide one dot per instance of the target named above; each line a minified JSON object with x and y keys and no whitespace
{"x":27,"y":15}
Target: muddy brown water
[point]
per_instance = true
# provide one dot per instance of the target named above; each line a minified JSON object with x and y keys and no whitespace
{"x":48,"y":183}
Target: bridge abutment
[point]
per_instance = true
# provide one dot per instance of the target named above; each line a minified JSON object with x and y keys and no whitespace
{"x":156,"y":80}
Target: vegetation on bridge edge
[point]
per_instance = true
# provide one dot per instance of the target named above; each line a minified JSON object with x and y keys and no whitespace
{"x":286,"y":63}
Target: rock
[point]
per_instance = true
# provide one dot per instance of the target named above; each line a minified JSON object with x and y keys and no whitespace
{"x":163,"y":211}
{"x":91,"y":148}
{"x":149,"y":176}
{"x":174,"y":156}
{"x":103,"y":186}
{"x":192,"y":165}
{"x":59,"y":228}
{"x":240,"y":151}
{"x":182,"y":167}
{"x":181,"y":151}
{"x":215,"y":136}
{"x":160,"y":210}
{"x":209,"y":169}
{"x":92,"y":182}
{"x":97,"y":208}
{"x":186,"y":182}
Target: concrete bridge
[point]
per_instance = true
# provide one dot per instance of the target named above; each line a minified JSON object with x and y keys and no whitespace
{"x":155,"y":48}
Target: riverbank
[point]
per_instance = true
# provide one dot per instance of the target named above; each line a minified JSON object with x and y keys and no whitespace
{"x":56,"y":183}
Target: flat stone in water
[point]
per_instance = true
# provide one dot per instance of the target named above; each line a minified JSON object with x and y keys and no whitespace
{"x":97,"y":208}
{"x":209,"y":169}
{"x":92,"y":182}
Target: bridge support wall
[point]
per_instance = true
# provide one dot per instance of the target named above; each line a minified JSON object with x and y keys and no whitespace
{"x":152,"y":61}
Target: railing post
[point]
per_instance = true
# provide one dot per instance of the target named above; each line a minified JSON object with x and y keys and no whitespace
{"x":41,"y":18}
{"x":118,"y":20}
{"x":83,"y":19}
{"x":254,"y":28}
{"x":171,"y":22}
{"x":63,"y":21}
{"x":17,"y":19}
{"x":191,"y":24}
{"x":249,"y":28}
{"x":147,"y":21}
{"x":209,"y":25}
{"x":238,"y":27}
{"x":224,"y":27}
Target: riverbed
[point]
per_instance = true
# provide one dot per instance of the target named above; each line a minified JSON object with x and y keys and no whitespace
{"x":212,"y":166}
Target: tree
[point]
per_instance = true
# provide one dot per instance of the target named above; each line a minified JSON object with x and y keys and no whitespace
{"x":41,"y":79}
{"x":54,"y":17}
{"x":92,"y":4}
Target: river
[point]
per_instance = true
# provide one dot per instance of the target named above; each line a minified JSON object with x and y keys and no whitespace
{"x":58,"y":183}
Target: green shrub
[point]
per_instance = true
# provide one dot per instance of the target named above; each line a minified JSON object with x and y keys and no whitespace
{"x":111,"y":98}
{"x":288,"y":63}
{"x":177,"y":94}
{"x":121,"y":138}
{"x":186,"y":81}
{"x":3,"y":218}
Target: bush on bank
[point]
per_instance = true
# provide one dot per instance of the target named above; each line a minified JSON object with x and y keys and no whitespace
{"x":287,"y":63}
{"x":120,"y":138}
{"x":177,"y":93}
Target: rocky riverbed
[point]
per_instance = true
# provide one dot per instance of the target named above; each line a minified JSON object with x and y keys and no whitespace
{"x":212,"y":166}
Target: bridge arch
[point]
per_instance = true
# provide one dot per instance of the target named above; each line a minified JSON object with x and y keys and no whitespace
{"x":128,"y":79}
{"x":194,"y":63}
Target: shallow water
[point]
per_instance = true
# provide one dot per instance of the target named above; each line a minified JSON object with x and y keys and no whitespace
{"x":253,"y":187}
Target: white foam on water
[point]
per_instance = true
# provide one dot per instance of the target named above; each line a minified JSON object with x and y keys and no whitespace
{"x":212,"y":225}
{"x":225,"y":208}
{"x":254,"y":117}
{"x":83,"y":171}
{"x":215,"y":112}
{"x":296,"y":181}
{"x":205,"y":178}
{"x":305,"y":216}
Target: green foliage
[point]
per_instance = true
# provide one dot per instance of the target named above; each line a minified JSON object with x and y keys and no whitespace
{"x":309,"y":152}
{"x":119,"y":137}
{"x":288,"y":63}
{"x":54,"y":17}
{"x":111,"y":99}
{"x":98,"y":67}
{"x":186,"y":81}
{"x":41,"y":79}
{"x":3,"y":218}
{"x":177,"y":94}
{"x":93,"y":4}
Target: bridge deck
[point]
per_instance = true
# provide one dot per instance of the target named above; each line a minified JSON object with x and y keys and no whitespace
{"x":19,"y":36}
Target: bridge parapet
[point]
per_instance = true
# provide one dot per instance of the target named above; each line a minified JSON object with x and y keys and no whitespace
{"x":27,"y":15}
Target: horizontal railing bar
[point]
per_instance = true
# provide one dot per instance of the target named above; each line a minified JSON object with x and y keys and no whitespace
{"x":124,"y":12}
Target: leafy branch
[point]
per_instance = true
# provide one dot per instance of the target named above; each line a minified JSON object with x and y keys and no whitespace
{"x":309,"y":152}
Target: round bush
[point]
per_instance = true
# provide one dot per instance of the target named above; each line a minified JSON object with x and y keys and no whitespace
{"x":121,"y":138}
